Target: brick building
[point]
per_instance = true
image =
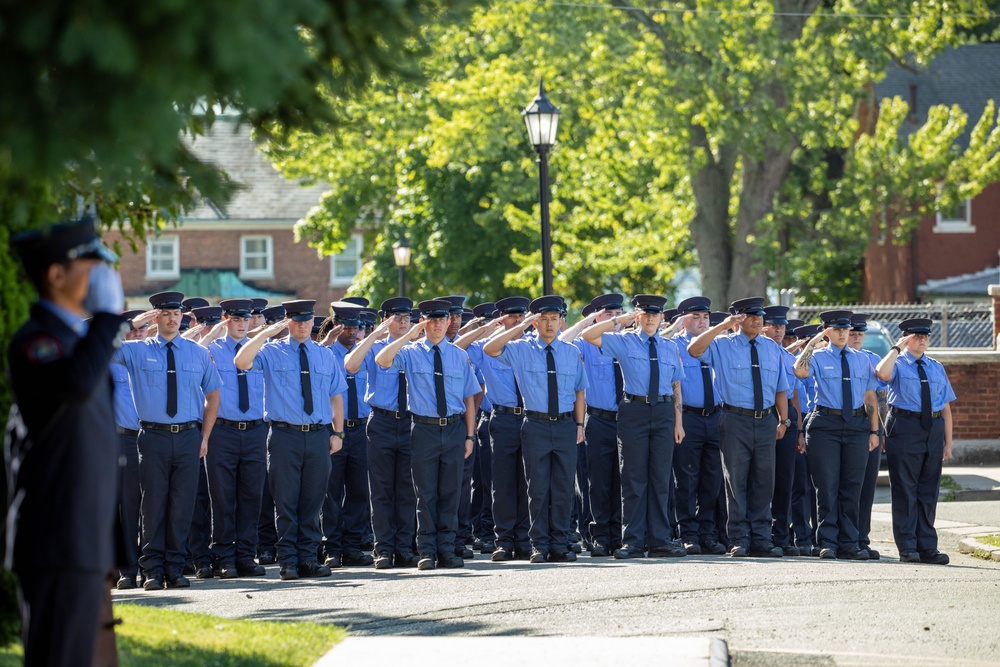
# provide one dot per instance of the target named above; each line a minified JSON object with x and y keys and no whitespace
{"x":247,"y":248}
{"x":951,"y":256}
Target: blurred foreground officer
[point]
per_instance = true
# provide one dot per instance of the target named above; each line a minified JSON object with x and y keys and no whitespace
{"x":303,"y":384}
{"x":840,"y":432}
{"x":440,"y":390}
{"x":63,"y":457}
{"x":753,"y":387}
{"x":649,"y":425}
{"x":237,"y":450}
{"x":552,"y":381}
{"x":177,"y":397}
{"x":918,"y":439}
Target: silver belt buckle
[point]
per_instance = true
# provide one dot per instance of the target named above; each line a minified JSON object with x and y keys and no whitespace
{"x":241,"y":426}
{"x":305,"y":427}
{"x":442,"y":421}
{"x":518,"y":411}
{"x":175,"y":428}
{"x":759,"y":415}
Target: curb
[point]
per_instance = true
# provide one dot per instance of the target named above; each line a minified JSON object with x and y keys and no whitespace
{"x":973,"y":547}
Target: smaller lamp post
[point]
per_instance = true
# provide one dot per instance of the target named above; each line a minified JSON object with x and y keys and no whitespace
{"x":401,"y":253}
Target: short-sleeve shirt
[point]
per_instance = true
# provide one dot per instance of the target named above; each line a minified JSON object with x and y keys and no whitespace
{"x":904,"y":385}
{"x":125,"y":414}
{"x":223,"y":351}
{"x":632,"y":350}
{"x":360,"y":381}
{"x":383,"y":383}
{"x":417,"y":359}
{"x":499,"y":377}
{"x":825,"y":368}
{"x":730,"y":357}
{"x":529,"y":360}
{"x":283,"y":401}
{"x":693,"y":382}
{"x":600,"y":376}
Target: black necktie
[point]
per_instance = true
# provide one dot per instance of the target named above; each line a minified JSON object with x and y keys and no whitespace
{"x":401,"y":396}
{"x":925,"y":396}
{"x":654,"y":372}
{"x":550,"y":366}
{"x":847,"y":400}
{"x":619,"y":382}
{"x":706,"y":380}
{"x":241,"y":382}
{"x":352,"y":398}
{"x":439,"y":383}
{"x":307,"y":390}
{"x":758,"y":386}
{"x":171,"y":381}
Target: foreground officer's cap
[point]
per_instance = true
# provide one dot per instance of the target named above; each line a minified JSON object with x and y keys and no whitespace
{"x":436,"y":308}
{"x":694,"y":304}
{"x":185,"y":323}
{"x":859,"y":322}
{"x":357,"y":301}
{"x":649,"y":303}
{"x":716,"y":317}
{"x":273,"y":314}
{"x":300,"y":310}
{"x":753,"y":305}
{"x":238,"y":307}
{"x":258,"y":306}
{"x":455,"y":303}
{"x":208,"y":315}
{"x":484,"y":309}
{"x":189,"y":305}
{"x":547,"y":304}
{"x":348,"y":315}
{"x":808,"y":330}
{"x":398,"y":304}
{"x":776,"y":315}
{"x":918,"y":325}
{"x":792,"y":326}
{"x":168,"y":301}
{"x":836,"y":319}
{"x":609,"y":301}
{"x":61,"y":242}
{"x":513,"y":305}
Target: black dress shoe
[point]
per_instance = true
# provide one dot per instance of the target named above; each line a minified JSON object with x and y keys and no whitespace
{"x":450,"y":561}
{"x":204,"y":572}
{"x":464,"y":552}
{"x":267,"y":557}
{"x":333,"y":561}
{"x":909,"y":557}
{"x":934,"y":558}
{"x":537,"y":556}
{"x":178,"y":581}
{"x":367,"y":545}
{"x":791,"y":551}
{"x":598,"y":551}
{"x":712,"y":547}
{"x":575,"y":547}
{"x":405,"y":559}
{"x":228,"y":571}
{"x":501,"y":554}
{"x":487,"y":547}
{"x":477,"y":545}
{"x":313,"y":570}
{"x":692,"y":548}
{"x":872,"y":554}
{"x":153,"y":583}
{"x":356,"y":558}
{"x":383,"y":562}
{"x":852,"y":554}
{"x":669,"y":550}
{"x":125,"y":583}
{"x":248,"y":568}
{"x":626,"y":552}
{"x":189,"y":568}
{"x":765,"y":550}
{"x":739,"y":551}
{"x":812,"y":550}
{"x":522,"y":553}
{"x":562,"y":556}
{"x":426,"y":563}
{"x":288,"y":573}
{"x":827,"y":553}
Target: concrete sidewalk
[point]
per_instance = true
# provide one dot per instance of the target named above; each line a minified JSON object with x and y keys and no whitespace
{"x":974,"y":483}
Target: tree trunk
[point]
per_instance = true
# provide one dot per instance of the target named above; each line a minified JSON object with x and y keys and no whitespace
{"x":710,"y":226}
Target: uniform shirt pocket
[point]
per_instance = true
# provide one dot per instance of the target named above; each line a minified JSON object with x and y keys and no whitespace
{"x":153,"y":373}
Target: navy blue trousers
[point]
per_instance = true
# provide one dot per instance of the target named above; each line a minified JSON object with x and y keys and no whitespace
{"x":605,"y":482}
{"x":549,"y":451}
{"x":510,"y":488}
{"x":747,"y":446}
{"x":236,"y":461}
{"x":437,"y":461}
{"x":914,"y":457}
{"x":62,"y":613}
{"x":582,"y":512}
{"x":298,"y":468}
{"x":464,"y":533}
{"x":697,"y":478}
{"x":128,"y":504}
{"x":646,"y":449}
{"x":169,"y":466}
{"x":482,"y":484}
{"x":347,"y":506}
{"x":394,"y":502}
{"x":785,"y":452}
{"x":267,"y":533}
{"x":868,"y":497}
{"x":838,"y":455}
{"x":803,"y":505}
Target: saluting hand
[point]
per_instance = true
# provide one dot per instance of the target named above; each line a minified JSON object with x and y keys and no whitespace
{"x":901,"y":343}
{"x":625,"y":317}
{"x":529,"y":320}
{"x":417,"y":329}
{"x":145,"y":318}
{"x":733,"y":320}
{"x":274,"y":329}
{"x":332,"y":335}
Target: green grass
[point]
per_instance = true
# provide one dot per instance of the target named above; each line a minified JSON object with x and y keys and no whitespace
{"x":948,"y":482}
{"x":151,"y":637}
{"x":992,"y":540}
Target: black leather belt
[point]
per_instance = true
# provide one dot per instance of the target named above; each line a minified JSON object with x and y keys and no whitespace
{"x":173,"y":428}
{"x":127,"y":431}
{"x":910,"y":413}
{"x":823,"y":410}
{"x":504,"y":410}
{"x":240,"y":426}
{"x":391,"y":413}
{"x":645,"y":399}
{"x":304,"y":428}
{"x":606,"y":414}
{"x":531,"y":414}
{"x":439,"y":421}
{"x":748,"y":413}
{"x":701,"y":411}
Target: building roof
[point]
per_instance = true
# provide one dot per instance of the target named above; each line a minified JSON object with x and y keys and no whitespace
{"x":968,"y":76}
{"x":976,"y":284}
{"x":266,"y":194}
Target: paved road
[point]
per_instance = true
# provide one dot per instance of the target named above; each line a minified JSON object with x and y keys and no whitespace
{"x":791,"y":611}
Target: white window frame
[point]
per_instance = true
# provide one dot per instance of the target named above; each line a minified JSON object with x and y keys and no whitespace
{"x":964,"y":225}
{"x":343,"y":281}
{"x":269,"y":254}
{"x":160,"y":274}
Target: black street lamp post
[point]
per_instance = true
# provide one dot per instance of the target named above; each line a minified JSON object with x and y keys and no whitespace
{"x":401,"y":253}
{"x":542,"y":119}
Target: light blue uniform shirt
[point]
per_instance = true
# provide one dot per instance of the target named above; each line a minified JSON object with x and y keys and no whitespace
{"x":383,"y":383}
{"x":223,"y":351}
{"x":730,"y":357}
{"x":808,"y":386}
{"x":499,"y":376}
{"x":146,"y":361}
{"x":874,"y":360}
{"x":360,"y":381}
{"x":529,"y":360}
{"x":825,"y":369}
{"x":125,"y":414}
{"x":693,"y":384}
{"x":788,"y":360}
{"x":631,"y":349}
{"x":600,"y":376}
{"x":904,"y":385}
{"x":417,"y":359}
{"x":283,"y":402}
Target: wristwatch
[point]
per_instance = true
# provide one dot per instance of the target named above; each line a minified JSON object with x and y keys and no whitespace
{"x":579,"y":424}
{"x":340,"y":434}
{"x":787,"y":423}
{"x":469,"y":437}
{"x":874,"y":433}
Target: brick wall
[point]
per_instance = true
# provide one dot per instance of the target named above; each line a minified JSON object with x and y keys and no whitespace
{"x":975,"y":377}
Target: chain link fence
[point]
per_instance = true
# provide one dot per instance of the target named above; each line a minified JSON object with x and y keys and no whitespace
{"x":966,"y":326}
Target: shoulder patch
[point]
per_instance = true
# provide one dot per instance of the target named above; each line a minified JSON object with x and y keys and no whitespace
{"x":43,"y":349}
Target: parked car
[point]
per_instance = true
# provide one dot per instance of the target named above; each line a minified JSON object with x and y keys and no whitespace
{"x":877,"y":339}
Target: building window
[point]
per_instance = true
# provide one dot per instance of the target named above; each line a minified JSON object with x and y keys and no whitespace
{"x":345,"y":266}
{"x":163,"y":258}
{"x":956,"y":221}
{"x":256,"y":257}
